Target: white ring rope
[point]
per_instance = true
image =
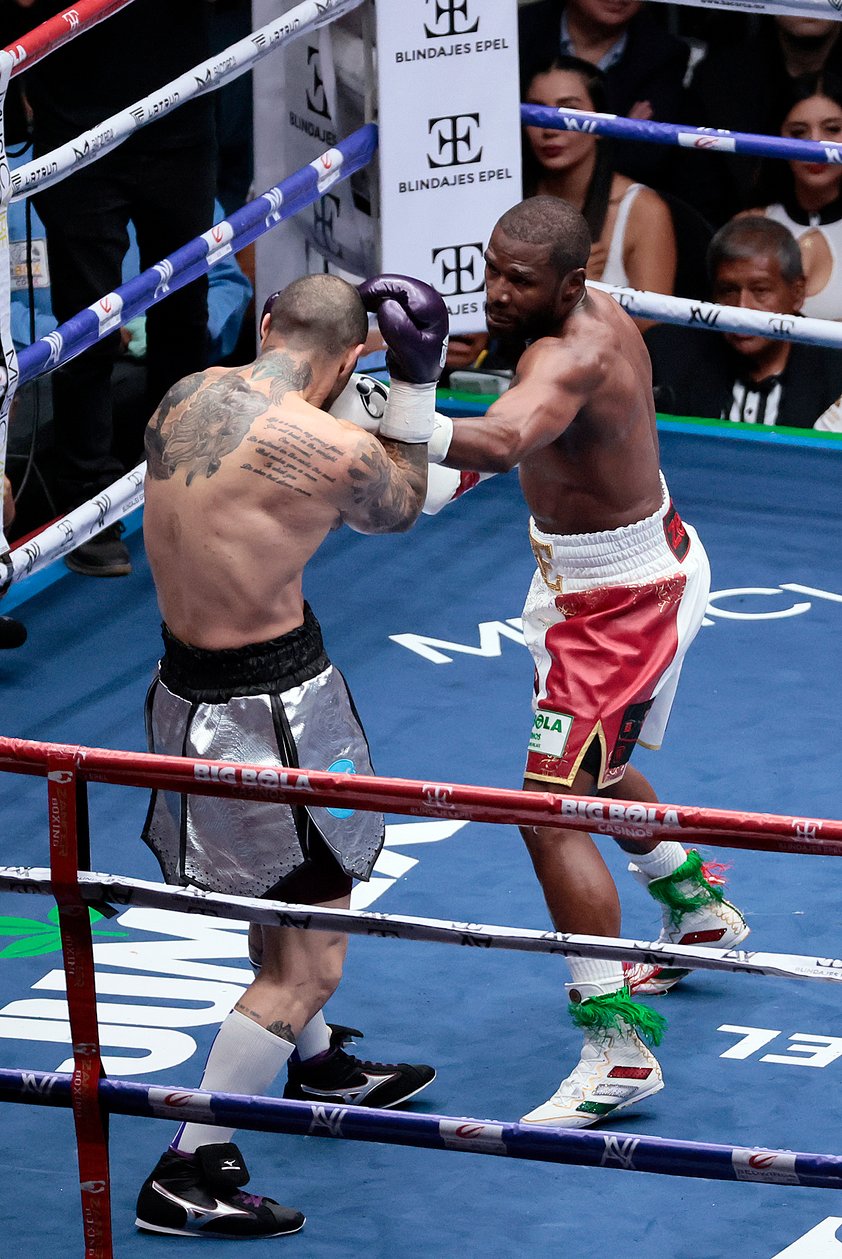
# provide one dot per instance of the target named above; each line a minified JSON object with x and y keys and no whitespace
{"x":208,"y":76}
{"x":826,"y":9}
{"x":690,"y":313}
{"x":98,"y":888}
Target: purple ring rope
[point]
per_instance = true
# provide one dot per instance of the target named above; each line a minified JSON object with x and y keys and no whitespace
{"x":685,"y":137}
{"x":622,"y":1151}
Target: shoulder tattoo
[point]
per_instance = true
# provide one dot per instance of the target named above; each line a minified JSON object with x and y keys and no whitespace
{"x":198,"y":424}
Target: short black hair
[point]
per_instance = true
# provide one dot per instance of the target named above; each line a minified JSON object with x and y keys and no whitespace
{"x":753,"y":234}
{"x":319,"y":312}
{"x":553,"y":222}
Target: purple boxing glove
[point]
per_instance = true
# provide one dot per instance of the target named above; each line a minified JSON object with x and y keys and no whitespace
{"x":413,"y":320}
{"x":414,"y":323}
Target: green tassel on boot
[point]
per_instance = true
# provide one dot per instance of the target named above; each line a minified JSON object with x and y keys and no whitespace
{"x":616,"y":1012}
{"x":678,"y":902}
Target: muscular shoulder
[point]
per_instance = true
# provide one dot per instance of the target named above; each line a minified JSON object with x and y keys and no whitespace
{"x":580,"y":357}
{"x":201,"y":419}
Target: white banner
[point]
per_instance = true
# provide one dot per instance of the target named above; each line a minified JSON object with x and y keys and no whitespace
{"x":449,"y":119}
{"x":324,"y":91}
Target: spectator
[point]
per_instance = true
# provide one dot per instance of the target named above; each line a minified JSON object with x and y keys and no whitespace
{"x":163,"y":178}
{"x":229,"y":298}
{"x":631,"y":228}
{"x":644,"y":66}
{"x":807,"y":197}
{"x":746,"y":86}
{"x":754,"y":263}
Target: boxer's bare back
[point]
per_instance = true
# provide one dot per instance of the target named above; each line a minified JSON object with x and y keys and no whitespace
{"x":245,"y":478}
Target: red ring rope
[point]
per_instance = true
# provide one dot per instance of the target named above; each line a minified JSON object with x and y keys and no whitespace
{"x":58,"y":30}
{"x":767,"y":832}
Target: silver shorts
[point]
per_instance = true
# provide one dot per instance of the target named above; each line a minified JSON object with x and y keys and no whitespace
{"x":244,"y":847}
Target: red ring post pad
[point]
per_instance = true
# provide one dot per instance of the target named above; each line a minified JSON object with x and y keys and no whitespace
{"x":58,"y":30}
{"x":63,"y":783}
{"x":727,"y":828}
{"x":619,"y":1150}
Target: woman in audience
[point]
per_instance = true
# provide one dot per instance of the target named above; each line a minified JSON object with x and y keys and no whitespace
{"x":807,"y":196}
{"x":630,"y":225}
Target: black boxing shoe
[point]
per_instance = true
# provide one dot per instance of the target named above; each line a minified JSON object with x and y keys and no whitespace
{"x":12,"y":633}
{"x":198,"y":1195}
{"x":105,"y":555}
{"x":337,"y":1076}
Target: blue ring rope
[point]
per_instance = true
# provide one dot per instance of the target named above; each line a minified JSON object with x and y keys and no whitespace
{"x":708,"y":139}
{"x":192,"y":260}
{"x":623,"y":1151}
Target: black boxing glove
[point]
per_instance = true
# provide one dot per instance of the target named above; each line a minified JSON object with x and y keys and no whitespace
{"x":412,"y":318}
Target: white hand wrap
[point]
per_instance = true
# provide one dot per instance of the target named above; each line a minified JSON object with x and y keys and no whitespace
{"x":410,"y":413}
{"x":442,"y":436}
{"x":362,"y":401}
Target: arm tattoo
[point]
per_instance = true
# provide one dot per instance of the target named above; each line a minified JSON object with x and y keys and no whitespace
{"x":283,"y":373}
{"x":292,"y":457}
{"x":212,"y":421}
{"x":388,"y":483}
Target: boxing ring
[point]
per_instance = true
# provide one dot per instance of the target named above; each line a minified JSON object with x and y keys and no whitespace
{"x":793,"y":601}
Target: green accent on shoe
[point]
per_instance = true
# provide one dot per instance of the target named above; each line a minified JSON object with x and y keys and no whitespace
{"x":678,"y":902}
{"x":616,"y":1012}
{"x":597,"y":1108}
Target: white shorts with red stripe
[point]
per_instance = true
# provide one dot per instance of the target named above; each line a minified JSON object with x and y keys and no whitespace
{"x":608,"y":619}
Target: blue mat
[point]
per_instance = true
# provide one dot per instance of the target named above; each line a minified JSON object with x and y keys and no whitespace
{"x":754,"y":727}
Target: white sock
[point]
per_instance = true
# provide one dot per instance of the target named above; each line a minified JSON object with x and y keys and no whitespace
{"x":244,"y":1058}
{"x":314,"y":1037}
{"x":661,"y":861}
{"x":594,"y":977}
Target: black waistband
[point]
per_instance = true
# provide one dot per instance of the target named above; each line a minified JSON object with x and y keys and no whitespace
{"x":213,"y":677}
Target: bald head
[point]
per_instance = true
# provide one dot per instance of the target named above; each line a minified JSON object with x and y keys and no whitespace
{"x":320,"y":313}
{"x":551,"y":222}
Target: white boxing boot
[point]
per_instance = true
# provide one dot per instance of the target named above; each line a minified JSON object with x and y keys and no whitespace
{"x":694,"y":911}
{"x":615,"y":1070}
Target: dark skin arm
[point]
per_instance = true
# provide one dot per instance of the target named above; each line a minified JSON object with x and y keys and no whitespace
{"x":552,"y":385}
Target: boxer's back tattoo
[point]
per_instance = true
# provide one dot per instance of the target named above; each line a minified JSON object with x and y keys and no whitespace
{"x":283,"y":373}
{"x":198,"y":424}
{"x":291,"y":456}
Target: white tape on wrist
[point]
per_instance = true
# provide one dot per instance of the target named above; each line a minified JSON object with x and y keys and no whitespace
{"x":442,"y":436}
{"x":410,"y":412}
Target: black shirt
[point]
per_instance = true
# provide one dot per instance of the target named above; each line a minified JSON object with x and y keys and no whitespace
{"x":697,"y":373}
{"x":116,"y":63}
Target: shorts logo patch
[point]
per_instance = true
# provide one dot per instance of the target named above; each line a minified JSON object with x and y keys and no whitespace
{"x":550,"y":732}
{"x":342,"y":766}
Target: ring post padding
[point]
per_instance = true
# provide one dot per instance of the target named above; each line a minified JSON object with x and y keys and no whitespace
{"x":64,"y":789}
{"x":8,"y":355}
{"x":619,"y":1150}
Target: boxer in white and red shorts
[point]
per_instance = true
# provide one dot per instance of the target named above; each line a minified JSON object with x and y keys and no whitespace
{"x":619,"y":595}
{"x":608,"y":619}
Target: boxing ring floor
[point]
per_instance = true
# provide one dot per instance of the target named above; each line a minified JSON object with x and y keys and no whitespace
{"x":755,"y":727}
